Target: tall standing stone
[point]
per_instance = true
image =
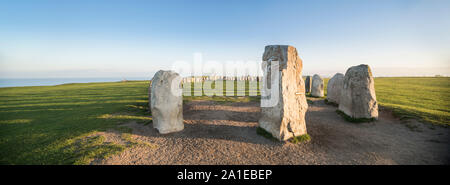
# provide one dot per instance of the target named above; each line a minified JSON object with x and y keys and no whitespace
{"x":358,"y":99}
{"x":334,"y":88}
{"x":308,"y":84}
{"x":166,"y":103}
{"x":317,"y":86}
{"x":286,"y":118}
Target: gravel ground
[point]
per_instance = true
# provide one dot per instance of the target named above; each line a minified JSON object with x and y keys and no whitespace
{"x":226,"y":134}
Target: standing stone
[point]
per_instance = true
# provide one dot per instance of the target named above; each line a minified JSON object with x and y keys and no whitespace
{"x":308,"y":84}
{"x":317,"y":86}
{"x":334,"y":88}
{"x":166,"y":104}
{"x":286,"y":118}
{"x":358,"y":99}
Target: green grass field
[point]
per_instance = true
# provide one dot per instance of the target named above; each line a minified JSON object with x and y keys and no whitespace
{"x":47,"y":125}
{"x":425,"y":98}
{"x":50,"y":125}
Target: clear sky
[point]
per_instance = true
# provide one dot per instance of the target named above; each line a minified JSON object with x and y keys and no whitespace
{"x":111,"y":38}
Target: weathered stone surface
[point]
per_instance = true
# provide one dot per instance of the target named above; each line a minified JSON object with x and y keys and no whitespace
{"x":334,"y":88}
{"x":358,"y":99}
{"x":166,"y":105}
{"x":317,"y":86}
{"x":286,"y":119}
{"x":308,"y":84}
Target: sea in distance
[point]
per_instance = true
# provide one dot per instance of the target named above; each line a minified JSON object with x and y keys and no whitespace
{"x":22,"y":82}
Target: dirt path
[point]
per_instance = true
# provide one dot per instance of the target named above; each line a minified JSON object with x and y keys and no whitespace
{"x":226,"y":134}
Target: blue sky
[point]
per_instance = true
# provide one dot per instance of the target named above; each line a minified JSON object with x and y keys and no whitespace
{"x":92,"y":38}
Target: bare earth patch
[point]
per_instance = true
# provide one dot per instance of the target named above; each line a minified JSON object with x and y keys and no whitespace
{"x":226,"y":134}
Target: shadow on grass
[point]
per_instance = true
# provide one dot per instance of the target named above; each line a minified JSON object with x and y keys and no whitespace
{"x":48,"y":131}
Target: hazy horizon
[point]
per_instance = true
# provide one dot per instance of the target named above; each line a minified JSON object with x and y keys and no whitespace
{"x":129,"y":39}
{"x":391,"y":72}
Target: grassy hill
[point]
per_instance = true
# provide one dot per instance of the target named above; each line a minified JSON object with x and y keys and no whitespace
{"x":45,"y":125}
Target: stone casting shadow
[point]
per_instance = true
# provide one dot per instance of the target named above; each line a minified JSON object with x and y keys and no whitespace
{"x":245,"y":134}
{"x":230,"y":125}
